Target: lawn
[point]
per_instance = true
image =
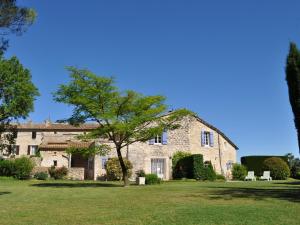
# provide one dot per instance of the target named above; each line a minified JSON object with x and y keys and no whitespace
{"x":175,"y":202}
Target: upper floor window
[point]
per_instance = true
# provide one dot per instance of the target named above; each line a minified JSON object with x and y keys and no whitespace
{"x":160,"y":139}
{"x":33,"y":134}
{"x":207,"y":138}
{"x":157,"y":139}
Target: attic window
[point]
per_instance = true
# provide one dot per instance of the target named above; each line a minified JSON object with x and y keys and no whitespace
{"x":33,"y":135}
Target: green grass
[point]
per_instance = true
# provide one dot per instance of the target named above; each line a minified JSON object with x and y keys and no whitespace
{"x":177,"y":202}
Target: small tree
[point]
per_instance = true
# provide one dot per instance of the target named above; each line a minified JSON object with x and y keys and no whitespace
{"x":239,"y":172}
{"x":114,"y":170}
{"x":17,"y":94}
{"x":123,"y":117}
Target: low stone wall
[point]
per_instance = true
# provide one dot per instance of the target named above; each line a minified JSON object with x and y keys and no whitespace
{"x":76,"y":173}
{"x":38,"y":169}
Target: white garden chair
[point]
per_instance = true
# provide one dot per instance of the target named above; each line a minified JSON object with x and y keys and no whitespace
{"x":250,"y":176}
{"x":266,"y":176}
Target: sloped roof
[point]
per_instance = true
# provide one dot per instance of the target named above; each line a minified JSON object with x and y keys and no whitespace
{"x":64,"y":145}
{"x":56,"y":127}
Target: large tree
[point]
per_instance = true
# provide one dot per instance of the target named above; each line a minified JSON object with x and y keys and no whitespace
{"x":17,"y":94}
{"x":13,"y":20}
{"x":123,"y":117}
{"x":293,"y":81}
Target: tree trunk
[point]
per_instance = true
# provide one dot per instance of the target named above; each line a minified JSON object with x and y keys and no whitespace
{"x":123,"y":167}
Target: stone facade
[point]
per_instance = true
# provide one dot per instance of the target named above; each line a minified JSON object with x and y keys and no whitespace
{"x":150,"y":157}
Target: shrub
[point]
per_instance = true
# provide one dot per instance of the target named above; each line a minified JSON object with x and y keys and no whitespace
{"x":152,"y":179}
{"x":58,"y":173}
{"x":7,"y":168}
{"x":41,"y":176}
{"x":208,"y":172}
{"x":278,"y":168}
{"x":178,"y":156}
{"x":239,"y":172}
{"x":23,"y":168}
{"x":140,"y":173}
{"x":189,"y":167}
{"x":220,"y":177}
{"x":255,"y":163}
{"x":114,"y":170}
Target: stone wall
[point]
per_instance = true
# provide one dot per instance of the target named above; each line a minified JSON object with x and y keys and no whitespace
{"x":76,"y":173}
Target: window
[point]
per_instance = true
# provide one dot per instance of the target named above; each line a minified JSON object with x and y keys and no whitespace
{"x":15,"y":150}
{"x":54,"y":162}
{"x":33,"y":134}
{"x":157,"y":139}
{"x":229,"y":165}
{"x":55,"y":132}
{"x":207,"y":138}
{"x":32,"y":149}
{"x":104,"y":161}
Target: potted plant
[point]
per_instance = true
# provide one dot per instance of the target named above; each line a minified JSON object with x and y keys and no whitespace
{"x":140,"y":177}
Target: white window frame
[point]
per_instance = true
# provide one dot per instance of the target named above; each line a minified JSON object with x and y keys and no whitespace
{"x":158,"y":140}
{"x":33,"y":149}
{"x":207,"y":140}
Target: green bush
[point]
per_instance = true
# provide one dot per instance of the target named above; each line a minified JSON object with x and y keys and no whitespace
{"x":114,"y":170}
{"x":140,"y":173}
{"x":178,"y":156}
{"x":208,"y":172}
{"x":152,"y":179}
{"x":239,"y":172}
{"x":58,"y":173}
{"x":7,"y":168}
{"x":23,"y":168}
{"x":220,"y":177}
{"x":41,"y":176}
{"x":278,"y":168}
{"x":255,"y":163}
{"x":190,"y":167}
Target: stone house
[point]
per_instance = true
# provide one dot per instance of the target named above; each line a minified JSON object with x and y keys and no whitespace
{"x":155,"y":156}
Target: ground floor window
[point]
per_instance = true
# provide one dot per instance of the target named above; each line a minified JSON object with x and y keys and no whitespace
{"x":158,"y":167}
{"x":32,"y":149}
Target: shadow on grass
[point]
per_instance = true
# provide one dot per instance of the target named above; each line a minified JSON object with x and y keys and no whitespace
{"x":4,"y":192}
{"x":76,"y":185}
{"x":287,"y":192}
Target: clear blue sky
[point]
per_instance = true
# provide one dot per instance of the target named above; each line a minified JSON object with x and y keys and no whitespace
{"x":222,"y":59}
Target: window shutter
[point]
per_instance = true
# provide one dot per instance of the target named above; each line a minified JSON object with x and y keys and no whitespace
{"x":211,"y":139}
{"x":28,"y":150}
{"x":202,"y":138}
{"x":17,"y":150}
{"x":151,"y":141}
{"x":165,"y":138}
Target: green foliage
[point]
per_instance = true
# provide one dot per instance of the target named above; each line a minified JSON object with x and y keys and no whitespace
{"x":220,"y":177}
{"x":178,"y":156}
{"x":58,"y":172}
{"x":123,"y":116}
{"x":140,"y":173}
{"x":294,"y":164}
{"x":14,"y":20}
{"x":152,"y":179}
{"x":208,"y":172}
{"x":114,"y":170}
{"x":7,"y":168}
{"x":17,"y":94}
{"x":292,"y":71}
{"x":279,"y":169}
{"x":190,"y":167}
{"x":41,"y":176}
{"x":23,"y":167}
{"x":101,"y":150}
{"x":255,"y":163}
{"x":239,"y":172}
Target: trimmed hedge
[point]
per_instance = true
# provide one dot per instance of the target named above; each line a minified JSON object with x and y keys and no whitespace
{"x":208,"y":172}
{"x":239,"y":172}
{"x":19,"y":168}
{"x":190,"y":167}
{"x":152,"y":179}
{"x":255,"y":163}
